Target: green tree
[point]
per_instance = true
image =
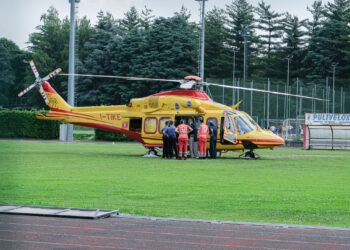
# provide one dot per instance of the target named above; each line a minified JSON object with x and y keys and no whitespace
{"x":131,"y":20}
{"x":184,"y":12}
{"x":127,"y":60}
{"x":12,"y":72}
{"x":84,"y":32}
{"x":218,"y":59}
{"x":269,"y":25}
{"x":293,"y":43}
{"x":146,"y":18}
{"x":49,"y":47}
{"x":7,"y":78}
{"x":91,"y":90}
{"x":330,"y":42}
{"x":170,"y":48}
{"x":239,"y":13}
{"x":316,"y":10}
{"x":166,"y":51}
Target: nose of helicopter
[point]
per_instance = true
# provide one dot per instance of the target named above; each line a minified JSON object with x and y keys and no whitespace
{"x":279,"y":140}
{"x":275,"y":140}
{"x":269,"y":139}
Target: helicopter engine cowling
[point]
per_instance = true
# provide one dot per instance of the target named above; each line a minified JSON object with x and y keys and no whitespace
{"x":192,"y":104}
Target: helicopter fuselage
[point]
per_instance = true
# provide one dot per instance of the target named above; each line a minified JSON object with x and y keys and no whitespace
{"x":143,"y":118}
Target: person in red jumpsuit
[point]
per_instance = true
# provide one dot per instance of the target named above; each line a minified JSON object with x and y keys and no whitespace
{"x":183,"y":131}
{"x":203,"y":131}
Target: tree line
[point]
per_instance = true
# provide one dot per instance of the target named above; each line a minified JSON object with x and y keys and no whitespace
{"x":140,"y":44}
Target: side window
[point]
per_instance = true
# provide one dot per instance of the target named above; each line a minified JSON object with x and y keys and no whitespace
{"x":213,"y":120}
{"x":150,"y":126}
{"x":229,"y":124}
{"x":162,"y":122}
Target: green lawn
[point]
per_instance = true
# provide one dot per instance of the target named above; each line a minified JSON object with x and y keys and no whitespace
{"x":285,"y":186}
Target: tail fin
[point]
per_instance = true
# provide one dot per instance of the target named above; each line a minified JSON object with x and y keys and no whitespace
{"x":55,"y":100}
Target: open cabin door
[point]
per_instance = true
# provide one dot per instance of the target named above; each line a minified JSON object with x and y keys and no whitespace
{"x":228,"y":130}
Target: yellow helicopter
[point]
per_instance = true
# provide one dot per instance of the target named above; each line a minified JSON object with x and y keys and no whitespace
{"x":142,"y":119}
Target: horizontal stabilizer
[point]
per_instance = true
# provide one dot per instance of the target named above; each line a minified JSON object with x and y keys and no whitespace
{"x":51,"y":117}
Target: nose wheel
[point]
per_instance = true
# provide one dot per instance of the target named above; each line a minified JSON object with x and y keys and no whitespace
{"x":250,"y":155}
{"x":152,"y":152}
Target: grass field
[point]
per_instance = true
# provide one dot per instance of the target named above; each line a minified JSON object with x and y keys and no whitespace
{"x":285,"y":186}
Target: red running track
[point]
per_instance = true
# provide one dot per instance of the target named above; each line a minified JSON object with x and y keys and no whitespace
{"x":36,"y":232}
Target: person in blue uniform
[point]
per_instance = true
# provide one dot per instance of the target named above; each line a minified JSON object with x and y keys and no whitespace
{"x":213,"y":131}
{"x":170,"y":131}
{"x":165,"y":140}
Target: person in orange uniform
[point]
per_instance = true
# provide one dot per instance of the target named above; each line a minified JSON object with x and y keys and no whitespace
{"x":183,"y":131}
{"x":203,"y":131}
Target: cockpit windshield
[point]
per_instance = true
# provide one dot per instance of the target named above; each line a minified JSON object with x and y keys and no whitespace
{"x":243,"y":124}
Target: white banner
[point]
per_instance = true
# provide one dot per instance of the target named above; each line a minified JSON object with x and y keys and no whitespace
{"x":327,"y":119}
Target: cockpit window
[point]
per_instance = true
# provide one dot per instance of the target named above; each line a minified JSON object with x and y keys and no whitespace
{"x":244,"y":125}
{"x":229,"y":124}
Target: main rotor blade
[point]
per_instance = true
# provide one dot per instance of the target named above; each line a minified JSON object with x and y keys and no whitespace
{"x":263,"y":91}
{"x":124,"y":77}
{"x":42,"y":92}
{"x":35,"y":71}
{"x":52,"y":74}
{"x":27,"y":89}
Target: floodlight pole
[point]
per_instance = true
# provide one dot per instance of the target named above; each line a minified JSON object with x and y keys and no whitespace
{"x":333,"y":65}
{"x":233,"y":75}
{"x":268,"y":104}
{"x":201,"y":68}
{"x":71,"y":64}
{"x":245,"y":33}
{"x":286,"y":111}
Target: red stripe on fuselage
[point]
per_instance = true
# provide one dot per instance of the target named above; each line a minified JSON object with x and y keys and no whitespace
{"x":82,"y":117}
{"x":266,"y":140}
{"x":153,"y":145}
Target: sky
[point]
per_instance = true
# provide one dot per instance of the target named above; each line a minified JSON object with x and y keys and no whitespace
{"x":18,"y":18}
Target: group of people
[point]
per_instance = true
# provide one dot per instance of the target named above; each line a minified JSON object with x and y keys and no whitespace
{"x":176,"y":140}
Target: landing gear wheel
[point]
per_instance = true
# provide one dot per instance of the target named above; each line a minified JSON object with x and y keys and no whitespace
{"x":250,"y":155}
{"x":151,"y":153}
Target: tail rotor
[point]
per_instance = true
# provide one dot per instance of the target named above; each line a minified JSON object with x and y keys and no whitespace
{"x":39,"y":81}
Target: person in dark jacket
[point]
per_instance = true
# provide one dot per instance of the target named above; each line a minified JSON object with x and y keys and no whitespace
{"x":165,"y":140}
{"x":193,"y":140}
{"x":172,"y":139}
{"x":213,"y":131}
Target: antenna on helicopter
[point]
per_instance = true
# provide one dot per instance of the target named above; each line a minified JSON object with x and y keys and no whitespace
{"x":39,"y":81}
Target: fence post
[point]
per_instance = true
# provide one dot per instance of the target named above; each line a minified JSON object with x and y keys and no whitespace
{"x":264,"y":106}
{"x":233,"y":92}
{"x":296,"y":100}
{"x":238,"y":90}
{"x":251,"y":98}
{"x":223,"y":91}
{"x":268,"y":104}
{"x":277,"y":105}
{"x":301,"y":101}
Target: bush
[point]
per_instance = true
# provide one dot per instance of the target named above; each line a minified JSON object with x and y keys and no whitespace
{"x":23,"y":124}
{"x":110,"y":136}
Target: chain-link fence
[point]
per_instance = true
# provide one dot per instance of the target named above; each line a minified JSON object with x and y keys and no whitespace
{"x":272,"y":109}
